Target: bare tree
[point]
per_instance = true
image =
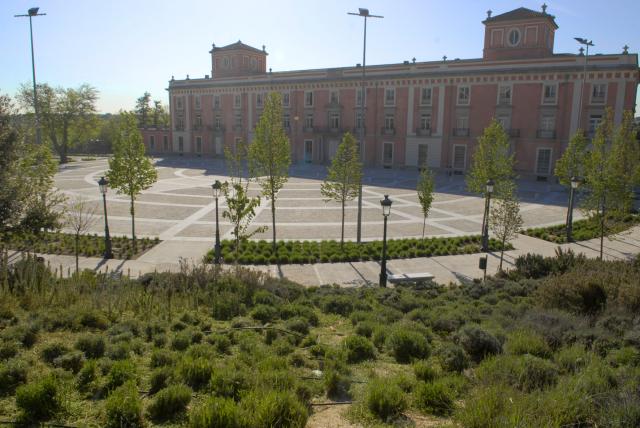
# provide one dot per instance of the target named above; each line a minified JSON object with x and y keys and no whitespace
{"x":505,"y":220}
{"x":80,"y":216}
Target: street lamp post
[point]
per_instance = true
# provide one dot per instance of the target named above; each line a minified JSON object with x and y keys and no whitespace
{"x":103,"y":184}
{"x":386,"y":210}
{"x":485,"y":220}
{"x":575,"y":182}
{"x":216,"y":193}
{"x":30,"y":14}
{"x":365,"y":14}
{"x":586,"y":43}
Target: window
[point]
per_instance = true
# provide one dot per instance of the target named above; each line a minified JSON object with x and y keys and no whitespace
{"x":390,"y":97}
{"x":334,"y":97}
{"x":505,"y":121}
{"x":548,"y":122}
{"x":286,"y":121}
{"x":504,"y":94}
{"x":425,"y":122}
{"x":238,"y":121}
{"x":594,"y":122}
{"x":334,"y":120}
{"x":254,"y":64}
{"x":237,"y":100}
{"x":198,"y":102}
{"x":179,"y":103}
{"x":425,"y":96}
{"x":598,"y":93}
{"x":180,"y":123}
{"x":216,"y":101}
{"x":180,"y":144}
{"x":387,"y":154}
{"x":308,"y":121}
{"x":217,"y":122}
{"x":198,"y":144}
{"x":496,"y":37}
{"x":358,"y":120}
{"x":423,"y":154}
{"x":543,"y":163}
{"x":152,"y":142}
{"x":198,"y":123}
{"x":513,"y":38}
{"x":462,"y":122}
{"x":549,"y":92}
{"x":459,"y":156}
{"x":463,"y":95}
{"x":359,"y":93}
{"x":165,"y":143}
{"x":308,"y":99}
{"x":285,"y":99}
{"x":226,"y":62}
{"x":389,"y":122}
{"x":308,"y":151}
{"x":259,"y":100}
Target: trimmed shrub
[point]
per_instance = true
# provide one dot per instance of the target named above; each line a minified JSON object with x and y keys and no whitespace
{"x":229,"y":381}
{"x":160,"y":379}
{"x":92,"y":345}
{"x":217,"y":412}
{"x":124,"y":407}
{"x":264,"y":313}
{"x":276,"y":409}
{"x":72,"y":361}
{"x":298,"y":324}
{"x":39,"y":400}
{"x":571,"y":359}
{"x":120,"y":373}
{"x":537,"y":373}
{"x":522,"y":342}
{"x":169,"y":403}
{"x":53,"y":351}
{"x":340,"y":305}
{"x":93,"y":319}
{"x":385,"y":399}
{"x":336,"y":384}
{"x":181,"y":341}
{"x":478,"y":343}
{"x":13,"y":373}
{"x":424,"y":371}
{"x":365,"y":328}
{"x":8,"y":349}
{"x":358,"y":349}
{"x":88,"y":373}
{"x":453,"y":358}
{"x":162,"y":357}
{"x":196,"y":372}
{"x":407,"y":345}
{"x":434,"y":398}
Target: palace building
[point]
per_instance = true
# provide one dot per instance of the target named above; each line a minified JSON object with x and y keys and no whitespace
{"x":416,"y":113}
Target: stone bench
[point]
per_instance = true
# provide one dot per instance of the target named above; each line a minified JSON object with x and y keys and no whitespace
{"x":403,"y":278}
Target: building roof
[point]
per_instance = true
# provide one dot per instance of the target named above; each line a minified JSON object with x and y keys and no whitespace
{"x":237,"y":45}
{"x":520,"y":13}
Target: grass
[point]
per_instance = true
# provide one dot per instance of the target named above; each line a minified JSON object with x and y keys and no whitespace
{"x":583,"y":229}
{"x":89,"y":245}
{"x":300,"y":252}
{"x":558,"y":350}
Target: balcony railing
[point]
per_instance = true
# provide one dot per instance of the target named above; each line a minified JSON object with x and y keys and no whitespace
{"x":237,"y":128}
{"x":425,"y":132}
{"x":597,"y":100}
{"x":546,"y":133}
{"x":504,"y":101}
{"x":197,"y":127}
{"x":460,"y":132}
{"x":387,"y":131}
{"x":309,"y":129}
{"x":216,"y":129}
{"x":179,"y":127}
{"x":513,"y":132}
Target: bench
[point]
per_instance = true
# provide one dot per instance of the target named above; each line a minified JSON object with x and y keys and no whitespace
{"x":403,"y":278}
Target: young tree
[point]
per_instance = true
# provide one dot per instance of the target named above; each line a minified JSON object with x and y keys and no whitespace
{"x":11,"y":189}
{"x":624,"y":166}
{"x":270,"y":154}
{"x":491,"y":160}
{"x":143,"y":109}
{"x":130,"y":170}
{"x":425,"y":194}
{"x":343,"y":176}
{"x":80,"y":216}
{"x":505,"y":220}
{"x":572,"y":161}
{"x":241,"y":208}
{"x":67,"y":116}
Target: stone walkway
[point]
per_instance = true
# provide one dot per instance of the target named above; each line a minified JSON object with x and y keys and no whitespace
{"x":446,"y":269}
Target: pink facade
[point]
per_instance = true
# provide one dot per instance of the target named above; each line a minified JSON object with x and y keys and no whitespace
{"x":417,"y":113}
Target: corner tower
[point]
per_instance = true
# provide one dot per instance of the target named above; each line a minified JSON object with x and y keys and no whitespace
{"x":237,"y":60}
{"x":520,"y":33}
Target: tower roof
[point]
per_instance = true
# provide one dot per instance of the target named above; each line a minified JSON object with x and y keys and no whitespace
{"x":521,"y":13}
{"x":237,"y":45}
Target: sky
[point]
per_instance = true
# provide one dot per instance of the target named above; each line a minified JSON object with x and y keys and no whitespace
{"x":124,"y":48}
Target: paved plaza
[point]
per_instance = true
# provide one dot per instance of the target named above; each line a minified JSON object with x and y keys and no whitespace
{"x":180,"y":210}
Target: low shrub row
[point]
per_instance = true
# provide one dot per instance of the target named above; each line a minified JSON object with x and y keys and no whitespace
{"x":584,"y":229}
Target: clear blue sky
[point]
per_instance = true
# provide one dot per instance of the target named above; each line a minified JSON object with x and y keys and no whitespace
{"x":125,"y":48}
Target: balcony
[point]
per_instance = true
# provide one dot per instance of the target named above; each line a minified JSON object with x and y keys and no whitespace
{"x":216,"y":129}
{"x":237,"y":128}
{"x":309,"y":129}
{"x":460,"y":132}
{"x":504,"y":101}
{"x":513,"y":132}
{"x":424,"y":132}
{"x":387,"y":131}
{"x":548,"y":134}
{"x":197,"y":127}
{"x":179,"y":127}
{"x":357,"y":130}
{"x":332,"y":130}
{"x":598,"y":99}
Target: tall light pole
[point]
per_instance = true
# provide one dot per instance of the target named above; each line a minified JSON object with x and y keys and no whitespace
{"x":365,"y":14}
{"x":575,"y":182}
{"x":104,"y":184}
{"x":485,"y":220}
{"x":386,"y":210}
{"x":30,"y":14}
{"x":586,"y":43}
{"x":215,"y":187}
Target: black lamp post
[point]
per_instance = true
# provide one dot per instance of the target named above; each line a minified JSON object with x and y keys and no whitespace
{"x":485,"y":220}
{"x":103,"y":184}
{"x":386,"y":210}
{"x":575,"y":182}
{"x":216,"y":193}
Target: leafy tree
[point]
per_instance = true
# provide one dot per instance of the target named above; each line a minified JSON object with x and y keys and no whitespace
{"x":624,"y":166}
{"x":505,"y":220}
{"x":80,"y":216}
{"x":241,"y":208}
{"x":572,"y":161}
{"x":143,"y":109}
{"x":491,"y":160}
{"x":67,"y":116}
{"x":130,"y":170}
{"x":343,"y":176}
{"x":160,"y":114}
{"x":270,"y":154}
{"x":11,"y":195}
{"x":425,"y":194}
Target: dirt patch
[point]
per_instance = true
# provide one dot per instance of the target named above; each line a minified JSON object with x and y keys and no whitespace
{"x":330,"y":417}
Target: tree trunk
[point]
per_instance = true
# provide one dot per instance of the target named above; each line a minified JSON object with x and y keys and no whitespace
{"x":502,"y":253}
{"x":342,"y":229}
{"x":64,"y":145}
{"x":133,"y":224}
{"x":77,"y":247}
{"x":424,"y":224}
{"x":273,"y":222}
